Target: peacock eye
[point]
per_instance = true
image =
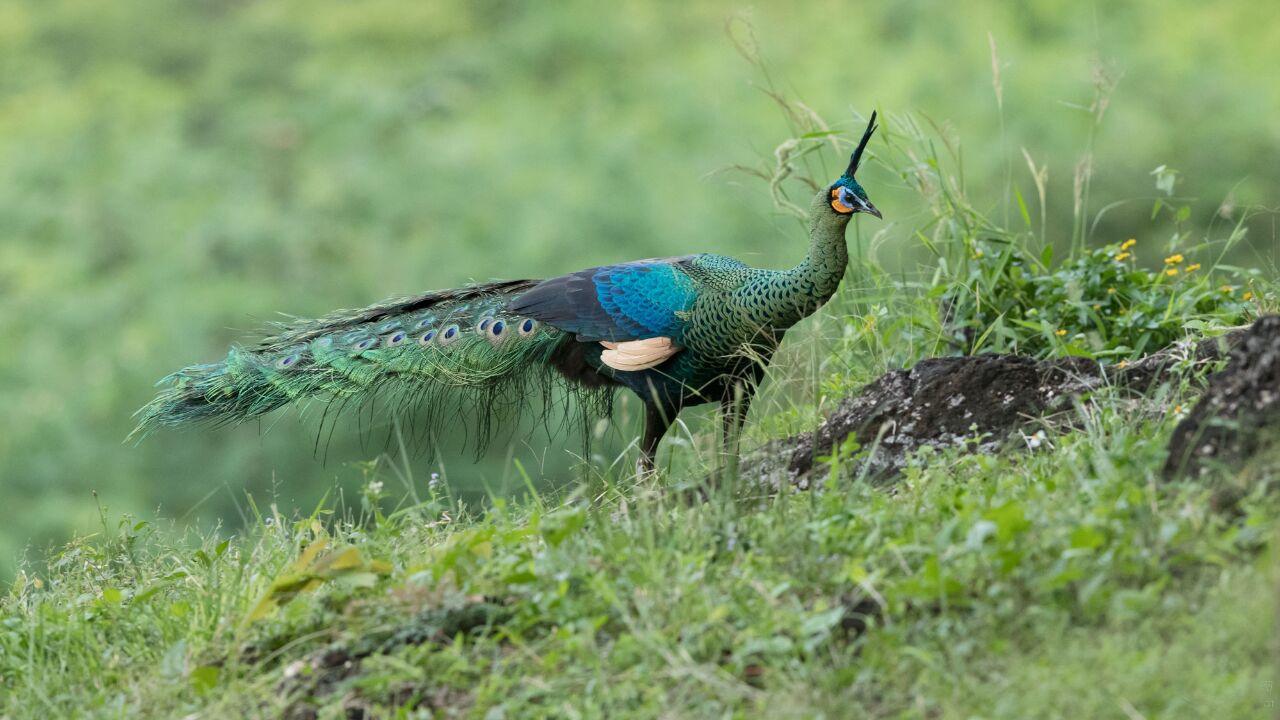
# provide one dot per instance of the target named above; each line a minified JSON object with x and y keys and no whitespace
{"x":840,"y":200}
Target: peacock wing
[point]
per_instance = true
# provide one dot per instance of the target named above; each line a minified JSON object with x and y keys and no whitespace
{"x":615,"y":303}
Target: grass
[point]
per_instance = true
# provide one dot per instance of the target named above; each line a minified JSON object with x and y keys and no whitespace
{"x":1065,"y":582}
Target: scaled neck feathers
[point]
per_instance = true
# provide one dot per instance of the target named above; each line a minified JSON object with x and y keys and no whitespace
{"x":810,"y":284}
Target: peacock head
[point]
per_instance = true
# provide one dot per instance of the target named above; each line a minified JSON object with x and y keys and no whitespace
{"x":847,"y":196}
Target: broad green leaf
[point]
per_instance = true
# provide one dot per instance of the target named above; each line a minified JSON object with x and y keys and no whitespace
{"x":205,"y":678}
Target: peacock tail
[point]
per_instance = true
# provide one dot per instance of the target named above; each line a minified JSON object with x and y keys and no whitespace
{"x":429,"y":359}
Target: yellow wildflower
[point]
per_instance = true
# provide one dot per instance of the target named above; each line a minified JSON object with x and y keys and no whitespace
{"x":1128,"y":244}
{"x":1171,"y":272}
{"x":1225,"y":289}
{"x":1122,"y":364}
{"x":1061,"y":333}
{"x":1177,"y":409}
{"x":1193,"y":267}
{"x":1123,"y":256}
{"x":1247,"y":296}
{"x":1173,"y":260}
{"x":1111,"y":291}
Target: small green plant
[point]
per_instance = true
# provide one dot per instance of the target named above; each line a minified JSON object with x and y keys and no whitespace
{"x":1099,"y":304}
{"x":1000,"y":295}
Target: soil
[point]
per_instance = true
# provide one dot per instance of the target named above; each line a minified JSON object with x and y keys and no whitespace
{"x":1239,"y":414}
{"x":977,"y":402}
{"x":965,"y":401}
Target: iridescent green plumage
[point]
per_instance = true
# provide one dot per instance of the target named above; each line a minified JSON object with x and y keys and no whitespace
{"x":676,"y":331}
{"x":439,"y":354}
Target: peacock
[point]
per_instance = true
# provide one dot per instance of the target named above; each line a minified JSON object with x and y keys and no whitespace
{"x":678,"y":332}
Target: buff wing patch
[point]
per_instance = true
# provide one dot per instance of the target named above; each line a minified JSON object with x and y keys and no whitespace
{"x":636,"y":355}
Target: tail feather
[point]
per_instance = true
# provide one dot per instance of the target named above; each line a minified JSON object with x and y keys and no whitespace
{"x":438,"y":353}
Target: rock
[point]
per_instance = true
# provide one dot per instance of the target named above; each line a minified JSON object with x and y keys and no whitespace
{"x":1239,"y":414}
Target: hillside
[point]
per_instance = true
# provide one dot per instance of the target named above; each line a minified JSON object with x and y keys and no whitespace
{"x":1057,"y":572}
{"x":1070,"y":580}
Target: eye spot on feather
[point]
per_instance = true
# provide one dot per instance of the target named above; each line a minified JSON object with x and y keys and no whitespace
{"x":449,"y":335}
{"x":388,"y":326}
{"x":427,"y":337}
{"x":483,"y":325}
{"x":395,"y":339}
{"x":288,"y":361}
{"x":497,"y":332}
{"x":527,"y":327}
{"x":424,"y":322}
{"x":365,"y":344}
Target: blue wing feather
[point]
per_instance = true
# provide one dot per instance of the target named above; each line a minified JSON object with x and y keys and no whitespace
{"x":631,"y":301}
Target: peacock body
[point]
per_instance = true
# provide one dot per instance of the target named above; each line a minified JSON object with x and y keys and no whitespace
{"x":676,"y":331}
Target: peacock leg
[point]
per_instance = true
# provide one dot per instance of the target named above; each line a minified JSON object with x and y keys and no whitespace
{"x":657,"y":419}
{"x":734,"y":407}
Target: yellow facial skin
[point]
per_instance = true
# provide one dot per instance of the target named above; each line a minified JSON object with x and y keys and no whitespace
{"x":837,"y":205}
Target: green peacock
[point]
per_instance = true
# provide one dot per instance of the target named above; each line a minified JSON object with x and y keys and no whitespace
{"x":677,"y":332}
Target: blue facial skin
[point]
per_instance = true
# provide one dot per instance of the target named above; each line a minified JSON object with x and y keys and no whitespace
{"x":854,"y":196}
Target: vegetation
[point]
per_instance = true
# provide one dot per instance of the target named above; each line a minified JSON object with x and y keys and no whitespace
{"x":174,"y":174}
{"x":172,"y":171}
{"x":1065,"y":582}
{"x":1099,"y":304}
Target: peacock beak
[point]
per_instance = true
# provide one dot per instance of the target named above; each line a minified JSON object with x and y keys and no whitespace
{"x":870,"y":209}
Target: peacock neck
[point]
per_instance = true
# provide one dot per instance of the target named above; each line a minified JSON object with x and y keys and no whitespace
{"x":809,"y":285}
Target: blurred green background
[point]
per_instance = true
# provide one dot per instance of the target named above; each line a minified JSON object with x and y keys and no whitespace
{"x":174,"y":173}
